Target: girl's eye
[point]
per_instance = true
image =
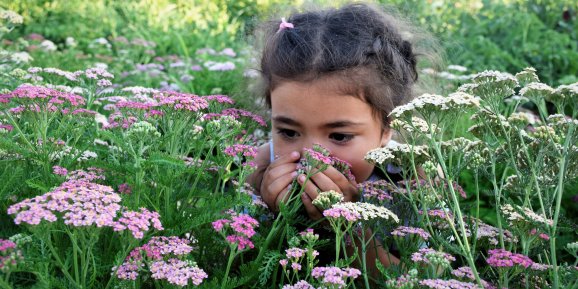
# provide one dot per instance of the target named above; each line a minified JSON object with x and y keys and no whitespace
{"x":341,"y":137}
{"x":287,"y":133}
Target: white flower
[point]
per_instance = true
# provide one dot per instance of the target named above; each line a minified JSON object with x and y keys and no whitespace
{"x":70,"y":42}
{"x":141,"y":129}
{"x":220,"y":66}
{"x":11,"y":16}
{"x":100,"y":42}
{"x":536,"y":89}
{"x":86,"y":155}
{"x":368,"y":211}
{"x":379,"y":156}
{"x":462,"y":99}
{"x":568,"y":90}
{"x":21,"y":57}
{"x":457,"y":68}
{"x":327,"y":199}
{"x":400,"y":154}
{"x":493,"y":76}
{"x":514,"y":215}
{"x":48,"y":45}
{"x":527,"y":75}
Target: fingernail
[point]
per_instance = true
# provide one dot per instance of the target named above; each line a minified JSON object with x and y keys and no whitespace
{"x":294,"y":154}
{"x":302,"y":178}
{"x":294,"y":174}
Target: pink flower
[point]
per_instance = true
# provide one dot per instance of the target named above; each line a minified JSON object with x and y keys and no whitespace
{"x":242,"y":227}
{"x":337,"y":213}
{"x":57,"y":170}
{"x":237,"y":149}
{"x":503,"y":258}
{"x":124,"y":188}
{"x":402,"y":231}
{"x":241,"y":241}
{"x":335,"y":276}
{"x":218,"y":224}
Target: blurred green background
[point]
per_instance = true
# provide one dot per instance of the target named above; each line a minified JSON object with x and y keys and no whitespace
{"x":500,"y":35}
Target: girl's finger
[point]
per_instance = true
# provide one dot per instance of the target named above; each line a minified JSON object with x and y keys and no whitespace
{"x":308,"y":187}
{"x":288,"y":158}
{"x":324,"y":182}
{"x":277,"y":187}
{"x":346,"y":187}
{"x":281,"y":170}
{"x":313,"y":212}
{"x":337,"y":177}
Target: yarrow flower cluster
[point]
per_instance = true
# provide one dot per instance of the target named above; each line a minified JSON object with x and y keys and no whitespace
{"x":491,"y":234}
{"x":160,"y":256}
{"x":242,"y":227}
{"x":403,"y":231}
{"x":181,"y":101}
{"x":375,"y":190}
{"x":37,"y":93}
{"x":326,"y":200}
{"x":407,"y":281}
{"x":79,"y":203}
{"x":430,"y":103}
{"x":503,"y":258}
{"x":400,"y":155}
{"x":448,"y":284}
{"x":247,"y":151}
{"x":10,"y":255}
{"x":295,"y":255}
{"x":141,"y":130}
{"x":362,"y":211}
{"x":522,"y":214}
{"x":433,"y":257}
{"x":301,"y":284}
{"x":335,"y":277}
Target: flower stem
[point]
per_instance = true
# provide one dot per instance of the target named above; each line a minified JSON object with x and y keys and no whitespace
{"x":232,"y":256}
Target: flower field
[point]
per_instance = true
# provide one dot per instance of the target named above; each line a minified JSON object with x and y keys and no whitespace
{"x":125,"y":151}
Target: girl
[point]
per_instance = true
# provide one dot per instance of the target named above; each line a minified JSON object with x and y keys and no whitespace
{"x":331,"y":77}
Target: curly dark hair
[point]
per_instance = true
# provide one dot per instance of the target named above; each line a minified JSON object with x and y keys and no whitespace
{"x":359,"y":43}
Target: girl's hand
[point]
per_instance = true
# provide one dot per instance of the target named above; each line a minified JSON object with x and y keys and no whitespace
{"x":277,"y":177}
{"x":330,"y":179}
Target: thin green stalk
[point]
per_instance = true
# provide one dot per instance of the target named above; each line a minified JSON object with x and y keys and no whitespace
{"x":231,"y":258}
{"x":559,"y":192}
{"x":458,"y":212}
{"x":364,"y":259}
{"x":59,"y":261}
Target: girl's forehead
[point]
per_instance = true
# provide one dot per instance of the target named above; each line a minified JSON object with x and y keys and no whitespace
{"x":316,"y":102}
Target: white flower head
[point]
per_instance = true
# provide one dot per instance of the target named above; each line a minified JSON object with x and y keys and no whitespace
{"x":527,"y":75}
{"x":11,"y":17}
{"x":368,"y":211}
{"x":21,"y":57}
{"x":48,"y":46}
{"x":536,"y":91}
{"x":457,"y":68}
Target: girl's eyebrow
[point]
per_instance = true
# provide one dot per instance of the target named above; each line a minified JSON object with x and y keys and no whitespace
{"x":286,"y":120}
{"x":334,"y":124}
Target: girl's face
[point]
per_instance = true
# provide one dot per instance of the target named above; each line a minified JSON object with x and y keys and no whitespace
{"x":307,"y":113}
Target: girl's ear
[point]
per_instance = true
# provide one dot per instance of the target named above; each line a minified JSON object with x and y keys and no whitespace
{"x":386,"y":136}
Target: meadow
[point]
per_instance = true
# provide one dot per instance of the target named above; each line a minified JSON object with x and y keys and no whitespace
{"x":128,"y":131}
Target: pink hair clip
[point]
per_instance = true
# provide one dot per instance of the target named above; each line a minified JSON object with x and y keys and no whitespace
{"x":284,"y":25}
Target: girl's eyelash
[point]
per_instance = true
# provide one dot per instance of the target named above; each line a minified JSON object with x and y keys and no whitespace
{"x":343,"y":137}
{"x":287,"y":133}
